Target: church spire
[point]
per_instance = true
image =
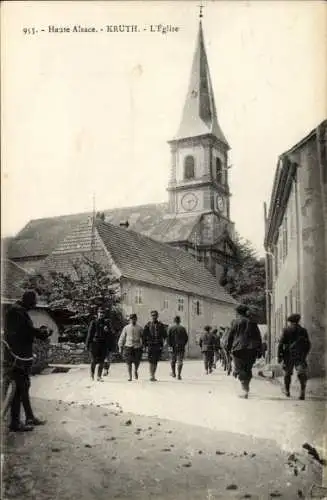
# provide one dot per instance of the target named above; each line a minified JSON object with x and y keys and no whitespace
{"x":199,"y":114}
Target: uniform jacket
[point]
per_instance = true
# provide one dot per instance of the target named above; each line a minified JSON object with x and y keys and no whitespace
{"x":177,"y":336}
{"x":294,"y":344}
{"x":244,"y":334}
{"x":154,"y":334}
{"x":100,"y":332}
{"x":19,"y":331}
{"x":208,"y":342}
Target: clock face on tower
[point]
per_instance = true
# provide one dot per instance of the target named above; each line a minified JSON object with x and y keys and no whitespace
{"x":220,"y":203}
{"x":189,"y":201}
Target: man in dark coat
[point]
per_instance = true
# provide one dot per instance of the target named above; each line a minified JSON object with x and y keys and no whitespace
{"x":97,"y":342}
{"x":208,"y":346}
{"x":217,"y":350}
{"x":19,"y":334}
{"x":177,"y":340}
{"x":111,"y":348}
{"x":293,"y":348}
{"x":244,"y":343}
{"x":154,"y":336}
{"x":226,"y":356}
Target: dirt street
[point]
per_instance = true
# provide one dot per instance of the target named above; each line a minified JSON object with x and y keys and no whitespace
{"x":95,"y":449}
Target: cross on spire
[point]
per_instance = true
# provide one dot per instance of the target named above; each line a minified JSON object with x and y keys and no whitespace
{"x":201,"y":11}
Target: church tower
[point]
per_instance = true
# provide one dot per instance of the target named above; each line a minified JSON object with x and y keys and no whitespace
{"x":199,"y":183}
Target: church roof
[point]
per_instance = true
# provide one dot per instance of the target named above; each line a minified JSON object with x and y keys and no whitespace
{"x":138,"y":258}
{"x":199,"y":114}
{"x":40,"y":236}
{"x":173,"y":229}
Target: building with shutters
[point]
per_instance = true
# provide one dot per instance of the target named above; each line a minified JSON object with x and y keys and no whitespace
{"x":296,"y":244}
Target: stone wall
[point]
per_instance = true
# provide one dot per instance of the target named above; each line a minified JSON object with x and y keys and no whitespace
{"x":40,"y":352}
{"x":68,"y":353}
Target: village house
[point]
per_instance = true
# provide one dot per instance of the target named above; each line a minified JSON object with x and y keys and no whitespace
{"x":151,"y":274}
{"x":13,"y":277}
{"x":296,"y":244}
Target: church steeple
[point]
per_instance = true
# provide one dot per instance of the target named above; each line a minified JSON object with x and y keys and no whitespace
{"x":199,"y":114}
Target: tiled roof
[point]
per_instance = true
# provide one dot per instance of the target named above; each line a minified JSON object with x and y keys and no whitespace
{"x":173,"y":229}
{"x":12,"y":277}
{"x":40,"y":237}
{"x":142,"y":259}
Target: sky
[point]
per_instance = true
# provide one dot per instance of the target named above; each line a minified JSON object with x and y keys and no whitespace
{"x":86,"y":113}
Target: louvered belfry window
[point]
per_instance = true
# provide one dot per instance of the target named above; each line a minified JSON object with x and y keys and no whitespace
{"x":189,"y":167}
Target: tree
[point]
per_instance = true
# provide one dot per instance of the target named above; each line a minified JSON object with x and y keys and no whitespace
{"x":90,"y":287}
{"x":246,"y":279}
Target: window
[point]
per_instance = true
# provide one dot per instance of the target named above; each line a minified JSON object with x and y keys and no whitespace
{"x":180,"y":304}
{"x":189,"y":167}
{"x":165,"y":304}
{"x":138,"y":296}
{"x":219,"y":171}
{"x":197,"y":307}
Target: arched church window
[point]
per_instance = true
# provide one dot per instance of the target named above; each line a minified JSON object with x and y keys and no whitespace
{"x":219,"y":170}
{"x":189,"y":167}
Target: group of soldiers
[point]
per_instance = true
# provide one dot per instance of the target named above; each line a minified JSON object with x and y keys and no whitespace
{"x":237,"y":348}
{"x":241,"y":344}
{"x":133,"y":341}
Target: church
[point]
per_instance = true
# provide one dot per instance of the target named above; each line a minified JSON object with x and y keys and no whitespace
{"x":192,"y":231}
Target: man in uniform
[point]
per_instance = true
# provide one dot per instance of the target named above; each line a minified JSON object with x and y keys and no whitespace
{"x":130,"y":346}
{"x":154,"y":336}
{"x":97,"y":341}
{"x":177,"y":340}
{"x":293,"y":348}
{"x":244,"y":343}
{"x":208,"y":345}
{"x":19,"y":334}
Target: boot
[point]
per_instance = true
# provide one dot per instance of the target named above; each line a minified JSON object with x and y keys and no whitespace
{"x":129,"y":368}
{"x":287,"y":385}
{"x":173,"y":370}
{"x":245,"y":387}
{"x":152,"y":378}
{"x":303,"y":383}
{"x":179,"y":372}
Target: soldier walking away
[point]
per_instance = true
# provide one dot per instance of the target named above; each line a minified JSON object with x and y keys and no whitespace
{"x":244,"y":343}
{"x":111,"y":347}
{"x":177,"y":340}
{"x":19,"y":334}
{"x":130,"y":346}
{"x":208,"y":345}
{"x":225,"y":355}
{"x":293,"y":348}
{"x":154,"y":336}
{"x":97,"y":342}
{"x":217,"y":349}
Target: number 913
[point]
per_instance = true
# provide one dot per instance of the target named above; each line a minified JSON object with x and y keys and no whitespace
{"x":29,"y":31}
